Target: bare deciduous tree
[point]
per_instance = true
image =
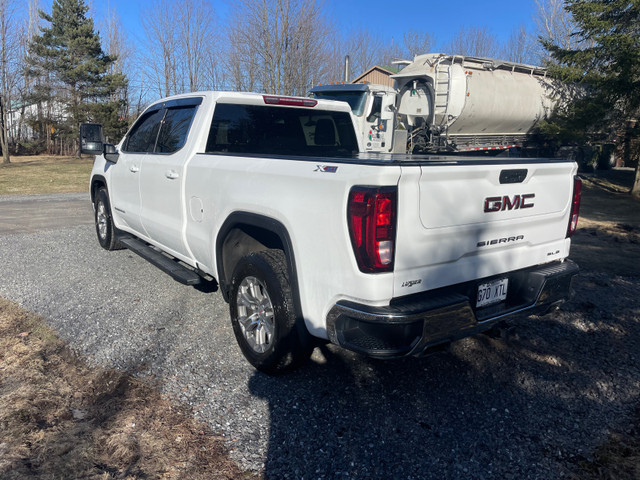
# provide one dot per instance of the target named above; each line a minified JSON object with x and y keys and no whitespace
{"x":117,"y":45}
{"x":364,"y":49}
{"x":554,"y":24}
{"x":194,"y":34}
{"x":277,"y":47}
{"x":242,"y":65}
{"x":520,"y":47}
{"x":28,"y":122}
{"x":159,"y":55}
{"x":178,"y":44}
{"x":334,"y":64}
{"x":417,"y":43}
{"x":214,"y":73}
{"x":9,"y":69}
{"x":474,"y":42}
{"x":391,"y":53}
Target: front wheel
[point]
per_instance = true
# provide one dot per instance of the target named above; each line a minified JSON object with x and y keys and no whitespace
{"x":105,"y":229}
{"x":263,"y":314}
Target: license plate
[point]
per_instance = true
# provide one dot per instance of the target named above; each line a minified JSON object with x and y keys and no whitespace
{"x":492,"y":292}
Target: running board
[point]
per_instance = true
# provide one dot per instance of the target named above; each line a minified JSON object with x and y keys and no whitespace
{"x":171,"y":267}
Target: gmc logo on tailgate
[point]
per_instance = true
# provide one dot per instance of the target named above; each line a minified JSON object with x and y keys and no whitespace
{"x":497,"y":204}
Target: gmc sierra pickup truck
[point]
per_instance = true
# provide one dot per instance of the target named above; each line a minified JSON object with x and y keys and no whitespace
{"x":386,"y":255}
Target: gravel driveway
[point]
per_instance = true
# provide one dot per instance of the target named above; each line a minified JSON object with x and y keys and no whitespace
{"x":529,"y":403}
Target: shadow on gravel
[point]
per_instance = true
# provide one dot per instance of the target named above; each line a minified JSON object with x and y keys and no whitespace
{"x":532,"y":402}
{"x":529,"y":404}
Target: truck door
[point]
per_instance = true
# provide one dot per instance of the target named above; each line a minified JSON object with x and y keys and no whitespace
{"x":162,"y":178}
{"x":379,"y":123}
{"x":125,"y":175}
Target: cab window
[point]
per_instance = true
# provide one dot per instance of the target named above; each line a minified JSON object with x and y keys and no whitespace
{"x":376,"y":109}
{"x":142,"y":138}
{"x":161,"y":131}
{"x":174,"y":129}
{"x":256,"y":129}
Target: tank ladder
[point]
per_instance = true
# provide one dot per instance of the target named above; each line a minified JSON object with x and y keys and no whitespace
{"x":442,"y":90}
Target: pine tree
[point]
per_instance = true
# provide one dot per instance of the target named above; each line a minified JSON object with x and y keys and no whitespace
{"x":72,"y":70}
{"x":607,"y":64}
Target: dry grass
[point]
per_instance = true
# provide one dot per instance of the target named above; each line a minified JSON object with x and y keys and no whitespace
{"x":61,"y":419}
{"x":45,"y":174}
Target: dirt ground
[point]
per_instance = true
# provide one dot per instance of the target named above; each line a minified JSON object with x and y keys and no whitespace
{"x":608,"y":236}
{"x":607,"y":246}
{"x":61,"y":419}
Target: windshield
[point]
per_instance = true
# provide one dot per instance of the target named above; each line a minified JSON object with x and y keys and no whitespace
{"x":356,"y":100}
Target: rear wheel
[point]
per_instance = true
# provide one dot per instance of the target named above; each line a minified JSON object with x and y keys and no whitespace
{"x":270,"y":336}
{"x":106,"y":231}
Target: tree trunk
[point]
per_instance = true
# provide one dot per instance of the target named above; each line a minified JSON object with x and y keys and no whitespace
{"x":4,"y":143}
{"x":635,"y":190}
{"x":632,"y":149}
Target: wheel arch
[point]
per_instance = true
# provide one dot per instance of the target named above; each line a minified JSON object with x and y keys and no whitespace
{"x":243,"y":233}
{"x":97,"y":181}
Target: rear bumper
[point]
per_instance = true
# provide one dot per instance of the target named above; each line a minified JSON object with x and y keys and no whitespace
{"x":412,"y":325}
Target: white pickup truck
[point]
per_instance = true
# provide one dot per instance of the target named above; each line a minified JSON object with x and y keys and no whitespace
{"x":386,"y":255}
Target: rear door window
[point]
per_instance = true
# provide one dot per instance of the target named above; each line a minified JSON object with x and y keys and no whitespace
{"x":174,"y":129}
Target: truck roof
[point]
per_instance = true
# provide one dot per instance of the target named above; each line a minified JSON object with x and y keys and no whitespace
{"x":251,"y":98}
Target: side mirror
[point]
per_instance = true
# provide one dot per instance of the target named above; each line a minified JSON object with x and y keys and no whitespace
{"x":111,"y":153}
{"x":91,"y":138}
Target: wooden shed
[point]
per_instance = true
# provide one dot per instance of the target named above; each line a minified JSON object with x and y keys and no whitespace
{"x":378,"y":75}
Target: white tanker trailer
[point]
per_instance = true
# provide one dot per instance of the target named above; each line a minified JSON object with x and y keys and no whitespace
{"x":449,"y":103}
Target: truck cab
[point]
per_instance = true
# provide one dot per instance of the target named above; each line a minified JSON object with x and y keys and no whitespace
{"x":373,"y":107}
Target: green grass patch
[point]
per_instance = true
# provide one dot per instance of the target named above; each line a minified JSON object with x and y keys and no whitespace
{"x":45,"y":174}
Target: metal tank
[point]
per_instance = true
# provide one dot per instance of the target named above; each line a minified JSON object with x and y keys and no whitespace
{"x":456,"y":103}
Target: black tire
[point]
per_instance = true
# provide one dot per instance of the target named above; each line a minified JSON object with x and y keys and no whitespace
{"x":105,"y":230}
{"x":275,"y":341}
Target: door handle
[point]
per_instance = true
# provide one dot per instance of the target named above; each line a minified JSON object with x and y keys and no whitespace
{"x":171,"y":174}
{"x":134,"y":169}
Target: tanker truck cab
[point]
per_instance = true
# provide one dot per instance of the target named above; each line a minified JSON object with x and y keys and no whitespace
{"x":373,"y":107}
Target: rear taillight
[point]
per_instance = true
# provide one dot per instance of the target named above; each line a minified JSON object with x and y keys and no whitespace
{"x":372,"y":225}
{"x":575,"y":206}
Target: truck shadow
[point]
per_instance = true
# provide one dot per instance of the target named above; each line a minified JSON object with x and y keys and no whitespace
{"x":527,"y":403}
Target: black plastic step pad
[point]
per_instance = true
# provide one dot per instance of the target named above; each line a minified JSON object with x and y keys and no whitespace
{"x":168,"y":265}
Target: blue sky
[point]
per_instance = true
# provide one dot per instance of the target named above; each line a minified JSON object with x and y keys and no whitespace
{"x":441,"y":18}
{"x":388,"y":19}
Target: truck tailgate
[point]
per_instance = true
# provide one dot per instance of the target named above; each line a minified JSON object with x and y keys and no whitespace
{"x":469,"y":219}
